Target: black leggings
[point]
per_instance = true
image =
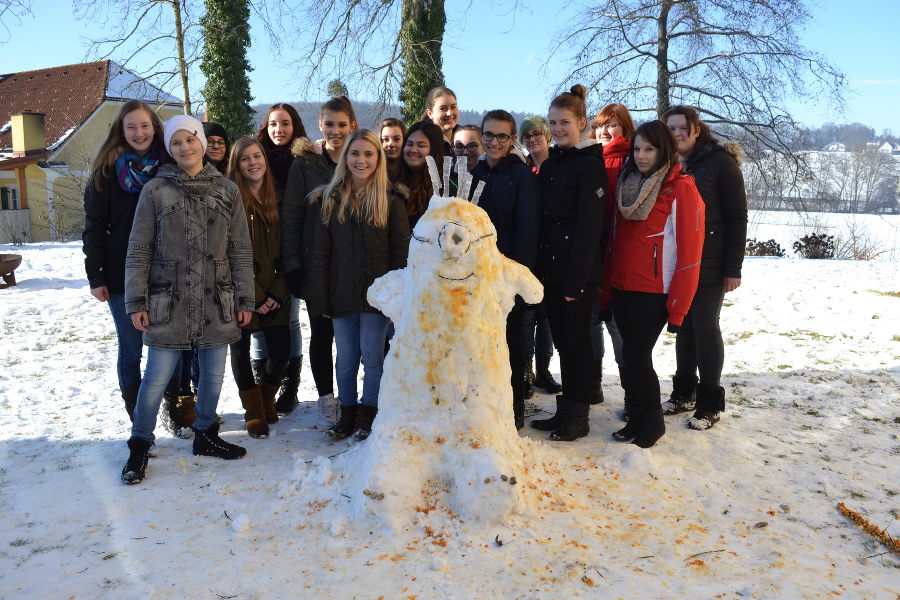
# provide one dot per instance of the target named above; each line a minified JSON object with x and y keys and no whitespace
{"x":640,"y":317}
{"x":699,"y":344}
{"x":514,"y":341}
{"x":278,"y":344}
{"x":321,"y":360}
{"x":570,"y":324}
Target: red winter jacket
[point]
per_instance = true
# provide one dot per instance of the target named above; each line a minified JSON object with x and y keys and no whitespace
{"x":661,"y":254}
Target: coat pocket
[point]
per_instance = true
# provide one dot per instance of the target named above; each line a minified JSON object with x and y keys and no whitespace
{"x":225,"y":294}
{"x":160,"y":304}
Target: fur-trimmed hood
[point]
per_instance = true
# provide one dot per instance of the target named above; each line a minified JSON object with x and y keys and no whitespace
{"x":302,"y":146}
{"x":736,"y":150}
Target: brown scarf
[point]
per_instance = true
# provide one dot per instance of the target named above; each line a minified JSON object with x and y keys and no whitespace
{"x":636,"y":195}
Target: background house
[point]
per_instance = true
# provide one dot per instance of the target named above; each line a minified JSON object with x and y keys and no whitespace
{"x":52,"y":123}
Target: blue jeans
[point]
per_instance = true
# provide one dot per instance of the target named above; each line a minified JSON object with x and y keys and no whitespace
{"x":160,"y":364}
{"x":359,"y":337}
{"x":131,"y":345}
{"x":536,"y":332}
{"x":597,"y":337}
{"x":258,"y":348}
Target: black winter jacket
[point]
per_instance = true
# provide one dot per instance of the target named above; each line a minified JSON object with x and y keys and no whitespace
{"x":573,"y":190}
{"x":721,"y":185}
{"x":512,"y":201}
{"x":299,"y":213}
{"x":108,"y":215}
{"x":347,"y":257}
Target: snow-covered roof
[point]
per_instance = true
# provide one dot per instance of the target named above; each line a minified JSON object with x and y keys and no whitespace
{"x":122,"y":83}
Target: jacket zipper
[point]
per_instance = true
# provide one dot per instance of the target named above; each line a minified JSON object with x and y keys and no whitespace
{"x":655,"y":268}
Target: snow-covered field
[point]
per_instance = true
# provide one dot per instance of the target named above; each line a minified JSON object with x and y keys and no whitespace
{"x":745,"y":510}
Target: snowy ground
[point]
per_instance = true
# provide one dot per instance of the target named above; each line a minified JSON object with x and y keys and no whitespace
{"x":745,"y":510}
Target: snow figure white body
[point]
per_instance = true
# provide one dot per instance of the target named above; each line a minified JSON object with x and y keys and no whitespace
{"x":445,"y":421}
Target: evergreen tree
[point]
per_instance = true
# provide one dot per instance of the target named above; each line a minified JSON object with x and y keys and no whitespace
{"x":227,"y":90}
{"x":336,"y":87}
{"x":421,"y":36}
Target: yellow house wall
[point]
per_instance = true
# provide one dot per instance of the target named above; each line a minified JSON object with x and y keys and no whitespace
{"x":78,"y":153}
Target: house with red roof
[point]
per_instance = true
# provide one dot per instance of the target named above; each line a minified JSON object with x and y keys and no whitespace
{"x":52,"y":124}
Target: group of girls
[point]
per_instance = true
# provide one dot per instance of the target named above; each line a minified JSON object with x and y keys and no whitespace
{"x":196,"y":249}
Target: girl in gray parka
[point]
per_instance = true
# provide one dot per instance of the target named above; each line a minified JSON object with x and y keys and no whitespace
{"x":188,"y":283}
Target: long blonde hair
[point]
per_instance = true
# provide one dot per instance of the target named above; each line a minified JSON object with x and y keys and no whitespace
{"x":267,"y":201}
{"x":371,"y":204}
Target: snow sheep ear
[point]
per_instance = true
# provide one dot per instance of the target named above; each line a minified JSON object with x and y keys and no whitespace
{"x":463,"y":177}
{"x":433,"y":173}
{"x":448,"y":166}
{"x":476,"y":197}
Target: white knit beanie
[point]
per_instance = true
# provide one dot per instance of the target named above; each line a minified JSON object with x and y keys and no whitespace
{"x":186,"y":123}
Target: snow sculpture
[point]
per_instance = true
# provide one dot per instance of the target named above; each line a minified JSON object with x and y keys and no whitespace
{"x":445,"y":420}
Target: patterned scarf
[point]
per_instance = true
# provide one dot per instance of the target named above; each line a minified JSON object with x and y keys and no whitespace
{"x":636,"y":194}
{"x":134,"y":171}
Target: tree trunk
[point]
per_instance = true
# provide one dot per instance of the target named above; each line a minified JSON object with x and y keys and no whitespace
{"x":182,"y":64}
{"x":662,"y":58}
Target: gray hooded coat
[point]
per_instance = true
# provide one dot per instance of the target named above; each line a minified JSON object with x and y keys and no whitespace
{"x":189,"y":261}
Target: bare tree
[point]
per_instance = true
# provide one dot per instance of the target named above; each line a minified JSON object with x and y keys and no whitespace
{"x":12,"y":10}
{"x":737,"y":61}
{"x":158,"y":39}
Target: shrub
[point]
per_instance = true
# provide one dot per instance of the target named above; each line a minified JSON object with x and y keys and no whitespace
{"x":768,"y":248}
{"x":815,"y":245}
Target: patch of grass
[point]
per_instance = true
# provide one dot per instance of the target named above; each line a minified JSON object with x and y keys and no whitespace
{"x":896,"y":338}
{"x":20,"y":542}
{"x":882,"y":293}
{"x":782,"y":367}
{"x":814,"y":413}
{"x":813,"y":335}
{"x":857,"y":495}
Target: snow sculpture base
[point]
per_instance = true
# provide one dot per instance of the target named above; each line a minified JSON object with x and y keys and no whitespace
{"x":445,"y":431}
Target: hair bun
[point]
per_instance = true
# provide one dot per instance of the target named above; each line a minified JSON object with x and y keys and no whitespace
{"x":578,"y":90}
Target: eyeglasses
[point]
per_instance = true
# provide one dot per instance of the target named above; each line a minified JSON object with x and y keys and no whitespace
{"x":487,"y":137}
{"x":534,"y":134}
{"x":471,"y":147}
{"x":215,"y":144}
{"x":608,"y":125}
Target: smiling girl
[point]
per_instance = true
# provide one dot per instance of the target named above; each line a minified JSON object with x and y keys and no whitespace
{"x":423,"y":139}
{"x":313,"y":166}
{"x":248,"y":169}
{"x":441,"y":109}
{"x":127,"y":160}
{"x":361,"y":234}
{"x":188,"y":284}
{"x":656,"y":243}
{"x":573,"y":189}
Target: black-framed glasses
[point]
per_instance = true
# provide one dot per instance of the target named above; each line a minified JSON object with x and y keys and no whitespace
{"x":534,"y":134}
{"x":471,"y":147}
{"x":489,"y":137}
{"x":215,"y":144}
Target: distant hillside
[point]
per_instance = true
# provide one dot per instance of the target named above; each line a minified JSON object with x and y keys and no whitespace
{"x":367,"y":114}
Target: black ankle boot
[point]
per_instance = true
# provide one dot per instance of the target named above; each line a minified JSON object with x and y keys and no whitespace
{"x":626,"y":408}
{"x":556,"y":420}
{"x":576,"y":424}
{"x":627,"y":433}
{"x":684,"y":395}
{"x":650,"y":428}
{"x":597,"y":383}
{"x":365,"y":415}
{"x":543,"y":377}
{"x":208,"y":443}
{"x":287,"y":398}
{"x":710,"y":402}
{"x":136,"y":467}
{"x":346,"y":425}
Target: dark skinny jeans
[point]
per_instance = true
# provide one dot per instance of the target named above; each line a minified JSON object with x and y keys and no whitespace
{"x":699,"y":344}
{"x":278,"y":344}
{"x":641,"y":317}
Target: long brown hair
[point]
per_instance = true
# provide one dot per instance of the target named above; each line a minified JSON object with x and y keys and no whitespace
{"x":694,"y":122}
{"x":116,"y":144}
{"x":658,"y":135}
{"x":267,"y":201}
{"x":262,"y":134}
{"x":370,"y":206}
{"x":417,"y":180}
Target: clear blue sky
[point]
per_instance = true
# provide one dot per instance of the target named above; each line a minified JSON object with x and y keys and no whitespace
{"x":493,"y":57}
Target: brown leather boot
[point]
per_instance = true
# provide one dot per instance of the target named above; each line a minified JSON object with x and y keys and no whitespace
{"x":186,"y":412}
{"x":268,"y":401}
{"x":254,"y":414}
